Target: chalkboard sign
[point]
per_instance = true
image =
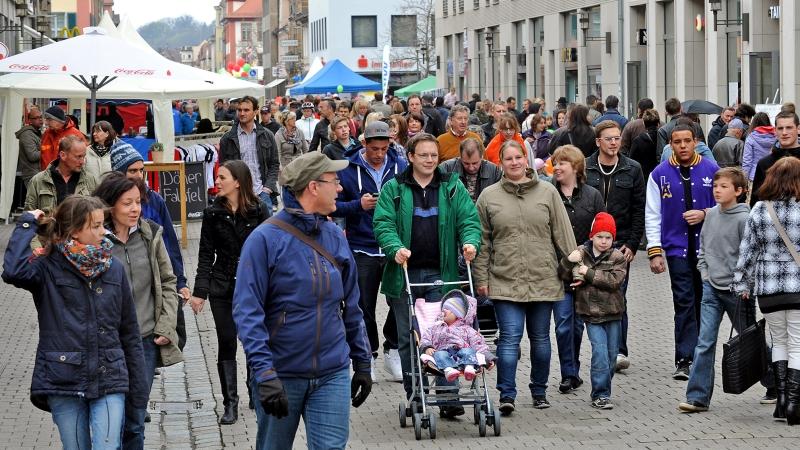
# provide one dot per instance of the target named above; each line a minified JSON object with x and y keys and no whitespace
{"x":196,"y":191}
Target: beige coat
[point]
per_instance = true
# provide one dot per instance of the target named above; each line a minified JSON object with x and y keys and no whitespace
{"x":523,"y":227}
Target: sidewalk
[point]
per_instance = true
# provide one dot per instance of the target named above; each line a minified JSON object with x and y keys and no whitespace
{"x":645,"y":396}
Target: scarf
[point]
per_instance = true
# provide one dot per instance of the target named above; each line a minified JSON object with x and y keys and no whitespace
{"x":101,"y":150}
{"x":90,"y":260}
{"x":411,"y":134}
{"x":291,"y":137}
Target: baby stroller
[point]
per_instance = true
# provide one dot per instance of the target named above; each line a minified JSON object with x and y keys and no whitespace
{"x":426,"y":393}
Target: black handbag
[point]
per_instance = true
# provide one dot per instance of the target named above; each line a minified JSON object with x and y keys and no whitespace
{"x":744,"y":358}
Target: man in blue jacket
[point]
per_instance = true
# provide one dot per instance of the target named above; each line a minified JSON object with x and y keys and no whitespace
{"x":370,"y":167}
{"x":296,"y":311}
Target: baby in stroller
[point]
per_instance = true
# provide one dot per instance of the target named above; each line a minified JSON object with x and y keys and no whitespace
{"x":452,"y":343}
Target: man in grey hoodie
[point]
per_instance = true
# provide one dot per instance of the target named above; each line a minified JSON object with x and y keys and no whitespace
{"x":722,"y":232}
{"x":30,"y":139}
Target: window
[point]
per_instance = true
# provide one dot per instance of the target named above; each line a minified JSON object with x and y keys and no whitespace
{"x":444,"y":8}
{"x":404,"y":31}
{"x":62,"y":21}
{"x":476,"y":4}
{"x":365,"y":31}
{"x":594,"y":22}
{"x":319,"y":37}
{"x":461,"y":6}
{"x":571,"y":28}
{"x":247,"y":31}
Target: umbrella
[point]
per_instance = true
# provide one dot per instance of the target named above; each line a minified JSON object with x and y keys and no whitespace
{"x":700,"y":107}
{"x":112,"y":58}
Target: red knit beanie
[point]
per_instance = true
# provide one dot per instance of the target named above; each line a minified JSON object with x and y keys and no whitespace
{"x":603,"y":222}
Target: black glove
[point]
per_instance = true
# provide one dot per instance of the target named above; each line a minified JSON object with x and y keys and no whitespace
{"x":361,"y":379}
{"x":273,"y":398}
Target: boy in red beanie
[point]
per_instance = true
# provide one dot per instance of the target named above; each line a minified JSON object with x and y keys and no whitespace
{"x":599,"y":272}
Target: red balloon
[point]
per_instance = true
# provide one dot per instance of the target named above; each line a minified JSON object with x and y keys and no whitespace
{"x":240,"y":62}
{"x":230,"y":66}
{"x":244,"y":73}
{"x":237,"y":68}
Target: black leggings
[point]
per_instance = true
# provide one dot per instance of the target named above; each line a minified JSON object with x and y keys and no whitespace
{"x":222,"y":310}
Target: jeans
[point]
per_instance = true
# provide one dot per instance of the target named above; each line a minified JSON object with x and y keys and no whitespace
{"x":687,"y":292}
{"x":455,"y":358}
{"x":623,"y":335}
{"x":512,"y":318}
{"x":605,"y":345}
{"x":324,"y":404}
{"x":403,"y":319}
{"x":715,"y":303}
{"x":133,"y":435}
{"x":370,"y":270}
{"x":84,"y":424}
{"x":569,"y":333}
{"x":785,"y":329}
{"x":266,"y":200}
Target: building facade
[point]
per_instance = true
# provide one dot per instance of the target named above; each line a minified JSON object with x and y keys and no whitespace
{"x":724,"y":51}
{"x":241,"y":32}
{"x":285,"y":25}
{"x":70,"y":17}
{"x":24,"y":24}
{"x":356,"y":31}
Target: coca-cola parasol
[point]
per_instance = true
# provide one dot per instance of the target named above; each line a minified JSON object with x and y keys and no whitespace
{"x":95,"y":59}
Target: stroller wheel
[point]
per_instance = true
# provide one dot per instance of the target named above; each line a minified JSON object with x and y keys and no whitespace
{"x":402,"y":414}
{"x":482,"y":424}
{"x":418,"y":426}
{"x":432,"y":426}
{"x":496,"y":421}
{"x":476,"y":413}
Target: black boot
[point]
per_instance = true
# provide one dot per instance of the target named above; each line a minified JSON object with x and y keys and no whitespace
{"x":779,"y":375}
{"x":230,"y":396}
{"x":250,"y":403}
{"x":793,"y":396}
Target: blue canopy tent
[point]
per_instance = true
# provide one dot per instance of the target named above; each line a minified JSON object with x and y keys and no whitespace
{"x":333,"y":74}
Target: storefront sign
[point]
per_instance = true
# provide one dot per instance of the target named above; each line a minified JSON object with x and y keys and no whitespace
{"x":289,"y":43}
{"x":641,"y":36}
{"x":774,"y":12}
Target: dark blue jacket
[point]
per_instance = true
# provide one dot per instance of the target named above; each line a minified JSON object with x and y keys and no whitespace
{"x":612,"y":114}
{"x":188,"y":122}
{"x":295,"y":313}
{"x":176,"y":122}
{"x":156,"y":210}
{"x":356,"y":181}
{"x":89,"y":343}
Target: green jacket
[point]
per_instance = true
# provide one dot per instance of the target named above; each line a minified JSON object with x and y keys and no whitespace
{"x":458,"y":223}
{"x":42,"y":190}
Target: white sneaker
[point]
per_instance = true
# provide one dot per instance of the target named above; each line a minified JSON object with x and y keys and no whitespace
{"x":392,"y":366}
{"x":622,"y":363}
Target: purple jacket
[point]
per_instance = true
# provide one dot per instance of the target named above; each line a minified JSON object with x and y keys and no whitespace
{"x":667,"y":231}
{"x":460,"y":334}
{"x":756,"y":146}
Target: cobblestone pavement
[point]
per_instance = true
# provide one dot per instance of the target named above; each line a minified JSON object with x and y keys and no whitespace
{"x":186,"y":399}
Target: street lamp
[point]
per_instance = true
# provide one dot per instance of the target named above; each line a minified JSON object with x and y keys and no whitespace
{"x":21,"y":8}
{"x":716,"y":7}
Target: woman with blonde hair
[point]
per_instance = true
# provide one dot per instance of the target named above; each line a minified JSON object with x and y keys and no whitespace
{"x":525,"y":227}
{"x":290,"y":140}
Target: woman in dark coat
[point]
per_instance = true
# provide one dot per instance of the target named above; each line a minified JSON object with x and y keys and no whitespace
{"x":235,"y":213}
{"x":582,"y":203}
{"x":89,"y":357}
{"x":644,"y":148}
{"x":578,"y":132}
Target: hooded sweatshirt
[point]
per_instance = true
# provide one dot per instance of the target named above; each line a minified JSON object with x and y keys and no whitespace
{"x":723,"y":231}
{"x":756,"y":146}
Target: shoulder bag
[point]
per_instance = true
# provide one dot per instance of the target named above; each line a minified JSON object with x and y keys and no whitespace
{"x":291,"y":229}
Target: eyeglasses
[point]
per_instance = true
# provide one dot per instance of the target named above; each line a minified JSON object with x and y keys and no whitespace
{"x":611,"y":139}
{"x":426,"y":155}
{"x":335,"y":181}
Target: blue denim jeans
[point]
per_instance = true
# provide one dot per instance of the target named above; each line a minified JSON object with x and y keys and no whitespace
{"x":403,"y":319}
{"x":84,"y":424}
{"x":715,"y":303}
{"x":605,"y":345}
{"x":324,"y":404}
{"x":569,"y":333}
{"x":687,"y":293}
{"x":512,"y":319}
{"x":133,"y":435}
{"x":455,"y":358}
{"x":267,"y":201}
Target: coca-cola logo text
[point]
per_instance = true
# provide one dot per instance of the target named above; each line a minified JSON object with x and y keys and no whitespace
{"x":37,"y":67}
{"x":122,"y":71}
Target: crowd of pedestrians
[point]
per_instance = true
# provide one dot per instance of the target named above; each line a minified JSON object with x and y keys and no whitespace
{"x":550,"y":208}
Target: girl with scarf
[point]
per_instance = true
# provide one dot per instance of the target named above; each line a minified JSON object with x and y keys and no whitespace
{"x":89,"y":358}
{"x":290,"y":140}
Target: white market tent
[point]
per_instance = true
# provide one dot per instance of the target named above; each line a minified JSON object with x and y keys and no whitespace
{"x":15,"y":87}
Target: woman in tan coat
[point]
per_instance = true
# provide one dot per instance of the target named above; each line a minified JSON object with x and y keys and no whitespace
{"x":524,"y":227}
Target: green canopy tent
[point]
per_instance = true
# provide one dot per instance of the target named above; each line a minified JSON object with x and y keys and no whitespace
{"x":425,"y":84}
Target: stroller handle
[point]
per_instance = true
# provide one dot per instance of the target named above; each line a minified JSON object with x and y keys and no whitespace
{"x":409,"y":284}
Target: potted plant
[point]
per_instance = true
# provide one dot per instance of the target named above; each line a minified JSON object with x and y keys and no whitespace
{"x":157,"y":153}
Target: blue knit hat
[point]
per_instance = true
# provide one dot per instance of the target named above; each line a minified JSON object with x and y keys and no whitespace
{"x":455,"y":305}
{"x":123,"y":155}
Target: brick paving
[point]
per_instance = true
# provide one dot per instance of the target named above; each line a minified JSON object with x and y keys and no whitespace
{"x":645,"y":396}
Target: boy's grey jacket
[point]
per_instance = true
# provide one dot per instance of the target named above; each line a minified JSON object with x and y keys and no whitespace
{"x":719,"y":244}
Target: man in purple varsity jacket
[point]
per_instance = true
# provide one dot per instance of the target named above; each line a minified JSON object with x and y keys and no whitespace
{"x":678,"y":192}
